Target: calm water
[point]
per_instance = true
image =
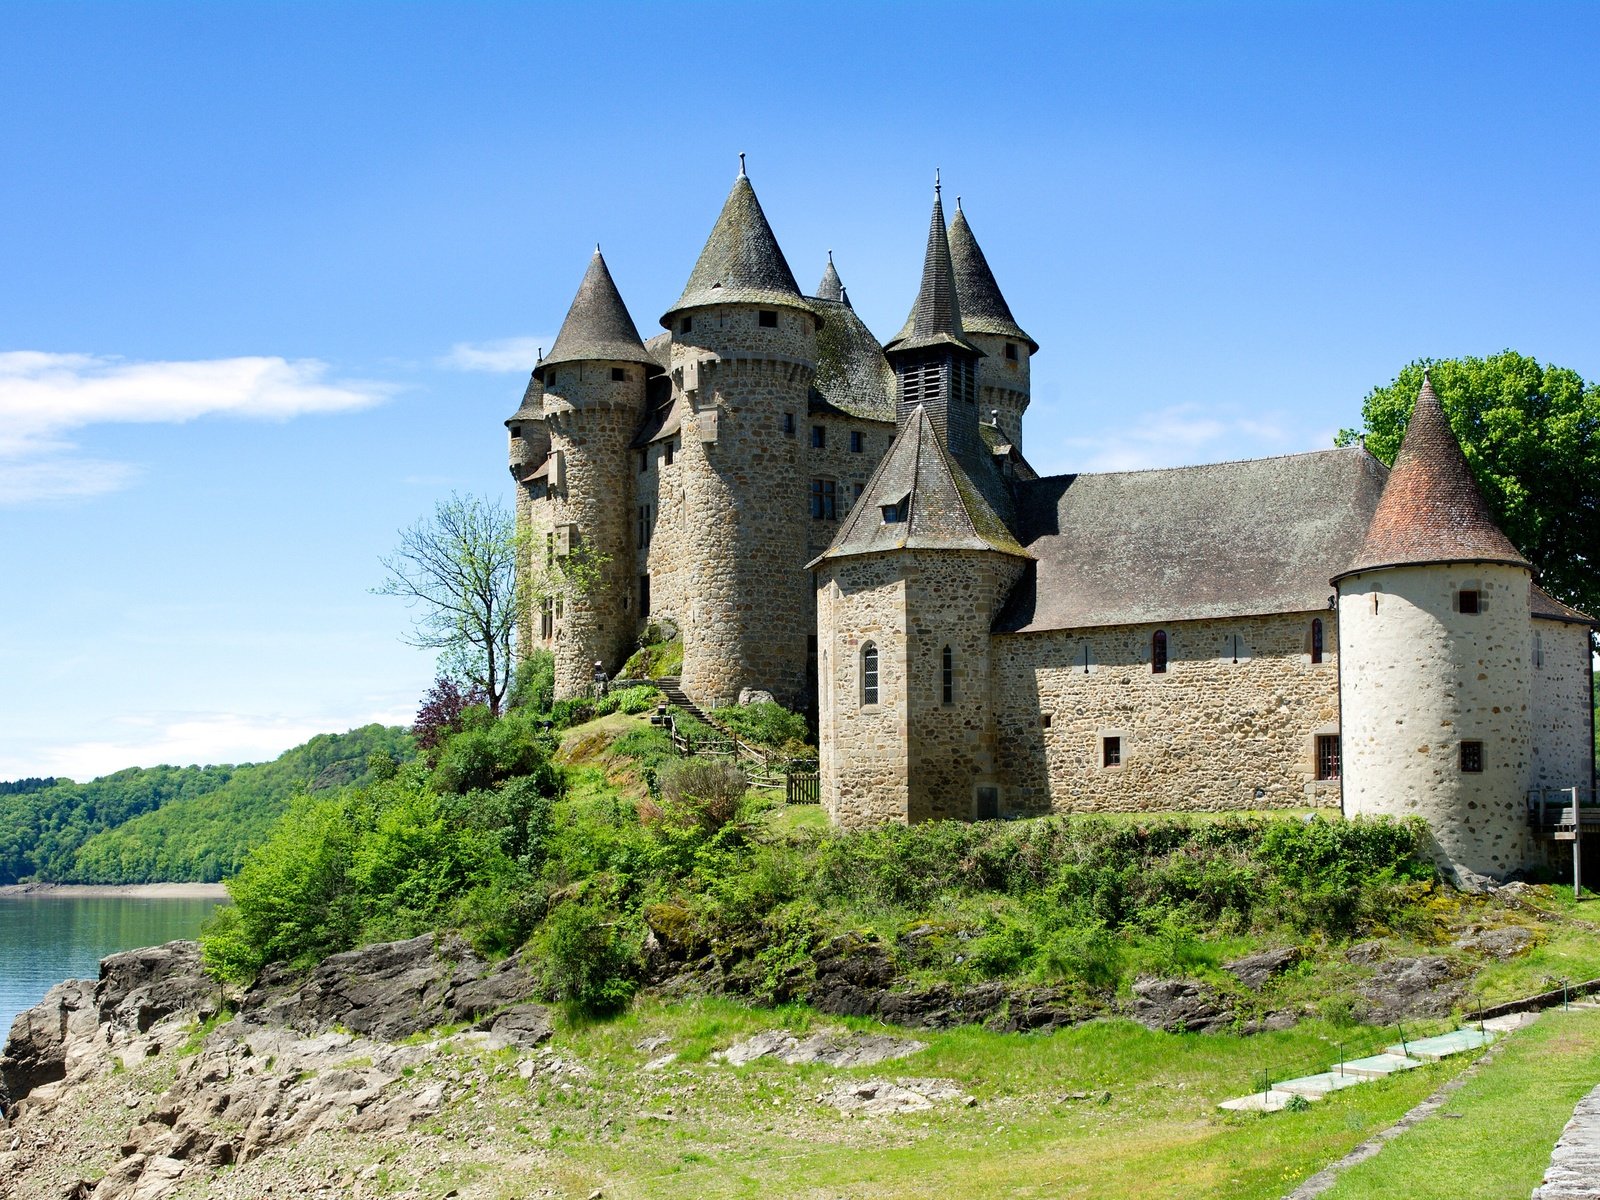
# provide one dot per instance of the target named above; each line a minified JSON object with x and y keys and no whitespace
{"x":46,"y":939}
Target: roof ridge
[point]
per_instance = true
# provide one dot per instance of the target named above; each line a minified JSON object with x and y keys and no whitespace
{"x":1227,"y":462}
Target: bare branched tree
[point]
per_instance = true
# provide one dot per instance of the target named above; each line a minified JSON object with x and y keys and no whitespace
{"x":459,"y":567}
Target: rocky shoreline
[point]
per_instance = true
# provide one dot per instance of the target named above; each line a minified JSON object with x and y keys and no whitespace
{"x":123,"y":891}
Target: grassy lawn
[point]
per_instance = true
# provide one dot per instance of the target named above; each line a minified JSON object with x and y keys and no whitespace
{"x":1493,"y":1138}
{"x":1108,"y":1109}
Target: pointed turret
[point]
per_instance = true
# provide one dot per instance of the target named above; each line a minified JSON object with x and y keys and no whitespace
{"x":741,"y":262}
{"x":983,"y":307}
{"x":935,"y":318}
{"x":1431,"y":510}
{"x":598,"y":327}
{"x":831,"y":287}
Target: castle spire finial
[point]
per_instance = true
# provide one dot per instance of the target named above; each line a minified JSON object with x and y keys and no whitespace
{"x":958,"y":203}
{"x":1427,"y":376}
{"x":936,"y":182}
{"x":741,"y":162}
{"x":597,"y":247}
{"x":830,"y":258}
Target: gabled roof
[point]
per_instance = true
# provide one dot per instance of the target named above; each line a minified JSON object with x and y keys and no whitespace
{"x":1431,"y":511}
{"x":741,"y":262}
{"x":831,"y":287}
{"x":943,"y":510}
{"x":1546,"y":607}
{"x":983,"y":308}
{"x":935,"y":318}
{"x":1223,"y":540}
{"x":598,"y":327}
{"x":853,"y":376}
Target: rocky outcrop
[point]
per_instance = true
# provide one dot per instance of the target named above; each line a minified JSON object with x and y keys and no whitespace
{"x":1255,"y":970}
{"x":1428,"y":986}
{"x":1180,"y":1006}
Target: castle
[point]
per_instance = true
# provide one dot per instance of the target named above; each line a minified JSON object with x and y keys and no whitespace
{"x":853,"y":527}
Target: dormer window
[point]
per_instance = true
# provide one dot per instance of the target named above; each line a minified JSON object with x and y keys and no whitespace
{"x":767,"y":318}
{"x":896,"y":513}
{"x":1011,"y":352}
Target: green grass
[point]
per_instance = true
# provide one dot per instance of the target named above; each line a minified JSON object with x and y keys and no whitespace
{"x":1492,"y":1139}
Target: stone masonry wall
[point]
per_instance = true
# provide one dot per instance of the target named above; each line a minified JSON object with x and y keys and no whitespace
{"x":665,"y":558}
{"x":1563,"y":752}
{"x":748,"y":595}
{"x":864,"y":775}
{"x":1210,"y":734}
{"x":952,"y":599}
{"x":1003,"y":383}
{"x":1421,"y":677}
{"x":592,"y":419}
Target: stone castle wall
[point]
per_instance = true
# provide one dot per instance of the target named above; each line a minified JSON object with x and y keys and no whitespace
{"x":863,"y":768}
{"x":748,"y":594}
{"x":592,"y":419}
{"x":1419,"y":678}
{"x":1563,"y":749}
{"x":665,"y":558}
{"x":1003,"y":384}
{"x":1211,"y":733}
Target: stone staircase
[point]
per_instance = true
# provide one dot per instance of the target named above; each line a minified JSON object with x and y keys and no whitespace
{"x":671,"y":687}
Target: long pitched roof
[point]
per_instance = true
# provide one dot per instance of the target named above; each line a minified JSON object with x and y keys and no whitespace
{"x":943,"y":508}
{"x":741,"y":262}
{"x":1223,"y":540}
{"x":1432,"y":510}
{"x":598,"y":327}
{"x":983,"y":308}
{"x":935,"y":318}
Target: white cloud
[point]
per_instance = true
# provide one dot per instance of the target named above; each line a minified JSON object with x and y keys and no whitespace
{"x":502,"y":356}
{"x":1181,"y":435}
{"x":181,"y":740}
{"x":45,"y":396}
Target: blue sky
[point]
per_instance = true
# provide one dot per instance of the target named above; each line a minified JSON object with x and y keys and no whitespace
{"x":273,"y":273}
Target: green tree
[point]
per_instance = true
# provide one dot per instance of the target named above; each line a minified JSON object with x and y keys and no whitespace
{"x":459,"y":567}
{"x":1531,"y":433}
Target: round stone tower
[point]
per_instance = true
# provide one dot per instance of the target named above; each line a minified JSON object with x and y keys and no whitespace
{"x":1003,"y":387}
{"x":594,"y":394}
{"x":743,"y":357}
{"x":530,"y":436}
{"x":1435,"y":689}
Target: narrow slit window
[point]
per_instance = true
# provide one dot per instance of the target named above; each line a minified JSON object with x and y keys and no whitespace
{"x":644,"y":461}
{"x":666,"y":455}
{"x":1316,"y":646}
{"x":1472,"y":758}
{"x":788,"y":424}
{"x":1158,"y":652}
{"x":869,"y":674}
{"x":1327,"y":756}
{"x":947,"y":675}
{"x":1538,"y":651}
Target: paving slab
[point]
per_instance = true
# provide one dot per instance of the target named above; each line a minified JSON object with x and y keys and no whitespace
{"x":1432,"y":1049}
{"x":1271,"y":1100}
{"x":1314,"y":1087}
{"x":1378,"y":1065}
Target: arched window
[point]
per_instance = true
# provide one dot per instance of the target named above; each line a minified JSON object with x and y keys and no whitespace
{"x":1158,"y":653}
{"x":1316,"y":640}
{"x":869,"y":674}
{"x":948,"y":675}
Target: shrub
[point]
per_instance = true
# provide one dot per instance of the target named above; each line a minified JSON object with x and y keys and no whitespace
{"x":703,"y":790}
{"x":442,"y":711}
{"x":764,"y":724}
{"x":635,"y":699}
{"x":533,"y":684}
{"x":586,"y":962}
{"x":482,"y":757}
{"x":566,"y":713}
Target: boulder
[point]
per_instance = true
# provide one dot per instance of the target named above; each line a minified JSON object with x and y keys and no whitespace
{"x":1499,"y":943}
{"x":1179,"y":1006}
{"x":524,"y":1026}
{"x":1253,"y":970}
{"x":1409,"y":987}
{"x":39,"y":1048}
{"x":138,"y":988}
{"x":756,"y":696}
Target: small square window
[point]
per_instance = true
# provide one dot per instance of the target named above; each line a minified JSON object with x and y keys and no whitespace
{"x":1472,"y":758}
{"x":860,"y":488}
{"x":516,"y":431}
{"x":1111,"y":752}
{"x":856,"y":441}
{"x":619,"y":375}
{"x":1011,"y":351}
{"x":1469,"y":601}
{"x":685,"y":325}
{"x":1045,"y":719}
{"x":767,"y":319}
{"x":819,"y":437}
{"x":1327,"y":756}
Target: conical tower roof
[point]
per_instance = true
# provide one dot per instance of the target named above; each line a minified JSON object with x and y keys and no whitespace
{"x":532,"y":406}
{"x":741,"y":262}
{"x":598,"y":327}
{"x":1431,"y":510}
{"x":983,"y":308}
{"x":941,"y":507}
{"x":936,"y":316}
{"x":831,"y":287}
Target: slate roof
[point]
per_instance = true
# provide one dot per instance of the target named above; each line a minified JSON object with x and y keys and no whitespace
{"x":945,"y":511}
{"x":741,"y":262}
{"x":1431,"y":511}
{"x":831,"y":287}
{"x":532,"y":406}
{"x":664,"y":419}
{"x":853,"y":376}
{"x":983,"y":308}
{"x":598,"y":327}
{"x":1223,"y":540}
{"x":935,"y":318}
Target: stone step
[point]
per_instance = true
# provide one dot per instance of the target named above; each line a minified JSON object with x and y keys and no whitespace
{"x":1432,"y":1049}
{"x":1271,"y":1100}
{"x":1377,"y":1066}
{"x":1315,"y":1087}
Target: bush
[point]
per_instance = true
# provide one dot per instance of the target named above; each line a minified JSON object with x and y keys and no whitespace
{"x":703,"y":790}
{"x":482,"y":757}
{"x":566,"y":713}
{"x":533,"y":684}
{"x":442,"y":711}
{"x":635,"y":699}
{"x":586,"y":962}
{"x":764,"y":724}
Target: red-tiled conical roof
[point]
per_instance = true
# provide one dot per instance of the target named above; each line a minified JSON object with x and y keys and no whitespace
{"x":1431,"y":510}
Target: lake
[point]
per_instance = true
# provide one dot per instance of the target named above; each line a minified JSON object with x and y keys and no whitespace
{"x":47,"y":938}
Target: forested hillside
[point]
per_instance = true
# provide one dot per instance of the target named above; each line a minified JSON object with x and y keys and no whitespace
{"x":149,"y":824}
